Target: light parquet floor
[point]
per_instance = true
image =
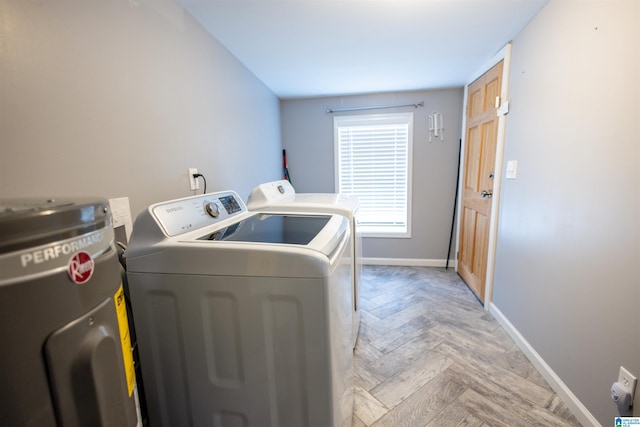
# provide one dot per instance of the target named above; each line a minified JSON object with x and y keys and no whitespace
{"x":429,"y":355}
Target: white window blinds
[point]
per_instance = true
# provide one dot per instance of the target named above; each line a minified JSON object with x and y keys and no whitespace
{"x":373,"y":163}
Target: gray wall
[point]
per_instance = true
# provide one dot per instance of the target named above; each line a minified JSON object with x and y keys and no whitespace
{"x":119,"y":98}
{"x":307,"y":134}
{"x":568,"y":254}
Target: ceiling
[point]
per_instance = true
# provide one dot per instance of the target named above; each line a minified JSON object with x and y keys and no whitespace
{"x":309,"y":48}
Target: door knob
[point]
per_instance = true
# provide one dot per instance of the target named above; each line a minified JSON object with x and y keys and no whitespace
{"x":487,"y":193}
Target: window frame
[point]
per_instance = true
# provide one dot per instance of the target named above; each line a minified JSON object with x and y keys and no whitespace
{"x":372,"y":120}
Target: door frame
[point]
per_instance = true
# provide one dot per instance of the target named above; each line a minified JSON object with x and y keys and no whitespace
{"x":503,"y":54}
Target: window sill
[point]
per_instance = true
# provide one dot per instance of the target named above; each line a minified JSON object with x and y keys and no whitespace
{"x":388,"y":235}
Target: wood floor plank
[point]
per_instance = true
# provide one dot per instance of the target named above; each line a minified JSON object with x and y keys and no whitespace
{"x":473,"y":339}
{"x":388,"y":294}
{"x":369,"y":326}
{"x":367,"y":407}
{"x":357,"y":422}
{"x":400,"y":357}
{"x":365,"y":376}
{"x":470,"y":318}
{"x":558,"y":407}
{"x":424,"y":404}
{"x":495,"y":379}
{"x":399,"y":387}
{"x":501,"y":396}
{"x":366,"y":352}
{"x":406,"y":332}
{"x":393,"y":322}
{"x":394,"y":305}
{"x":488,"y":411}
{"x":519,"y":364}
{"x":455,"y":415}
{"x":509,"y":415}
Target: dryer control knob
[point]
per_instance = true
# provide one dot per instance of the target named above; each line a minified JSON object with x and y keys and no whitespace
{"x":212,"y":209}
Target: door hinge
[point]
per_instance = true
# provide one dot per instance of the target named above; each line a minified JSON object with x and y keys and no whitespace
{"x":497,"y":102}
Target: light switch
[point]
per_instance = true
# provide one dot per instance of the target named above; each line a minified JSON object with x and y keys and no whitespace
{"x":512,"y":169}
{"x":503,"y":109}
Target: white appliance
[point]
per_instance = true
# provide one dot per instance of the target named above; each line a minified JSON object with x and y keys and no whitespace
{"x":243,"y":318}
{"x":281,"y":197}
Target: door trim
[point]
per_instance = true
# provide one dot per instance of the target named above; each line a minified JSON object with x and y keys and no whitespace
{"x":503,"y":54}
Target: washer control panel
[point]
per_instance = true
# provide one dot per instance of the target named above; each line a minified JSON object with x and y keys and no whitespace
{"x":271,"y":193}
{"x":191,"y":213}
{"x":212,"y":209}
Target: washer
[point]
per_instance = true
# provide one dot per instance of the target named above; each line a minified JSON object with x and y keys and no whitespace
{"x":281,"y":197}
{"x":243,"y":318}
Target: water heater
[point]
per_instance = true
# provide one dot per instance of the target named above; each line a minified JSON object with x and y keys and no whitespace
{"x":65,"y":352}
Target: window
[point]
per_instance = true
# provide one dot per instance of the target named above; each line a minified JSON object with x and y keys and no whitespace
{"x":373,"y":162}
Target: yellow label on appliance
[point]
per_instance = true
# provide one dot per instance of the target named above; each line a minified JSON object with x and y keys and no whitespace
{"x":125,"y":339}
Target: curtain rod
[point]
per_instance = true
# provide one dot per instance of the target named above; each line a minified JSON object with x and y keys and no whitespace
{"x":342,"y":110}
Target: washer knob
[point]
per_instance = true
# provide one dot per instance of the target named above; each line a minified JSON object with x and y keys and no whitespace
{"x":212,"y":209}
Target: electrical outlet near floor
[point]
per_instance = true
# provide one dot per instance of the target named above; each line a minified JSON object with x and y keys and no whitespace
{"x":627,"y":380}
{"x":193,"y":181}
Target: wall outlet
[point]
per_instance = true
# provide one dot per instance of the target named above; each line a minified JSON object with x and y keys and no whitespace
{"x":194,"y":184}
{"x":627,"y":380}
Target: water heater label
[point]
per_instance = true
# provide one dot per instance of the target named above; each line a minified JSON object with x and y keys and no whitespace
{"x":74,"y":255}
{"x":54,"y":251}
{"x":125,"y":339}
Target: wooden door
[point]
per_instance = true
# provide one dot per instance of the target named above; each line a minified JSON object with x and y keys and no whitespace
{"x":477,"y":189}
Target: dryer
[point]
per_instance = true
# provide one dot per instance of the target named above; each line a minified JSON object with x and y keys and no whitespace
{"x":281,"y":197}
{"x":243,"y":318}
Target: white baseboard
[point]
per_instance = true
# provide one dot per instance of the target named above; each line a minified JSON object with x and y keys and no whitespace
{"x":409,"y":262}
{"x":573,"y":403}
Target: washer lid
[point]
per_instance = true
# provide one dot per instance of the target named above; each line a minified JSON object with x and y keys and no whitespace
{"x":280,"y":229}
{"x":29,"y":222}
